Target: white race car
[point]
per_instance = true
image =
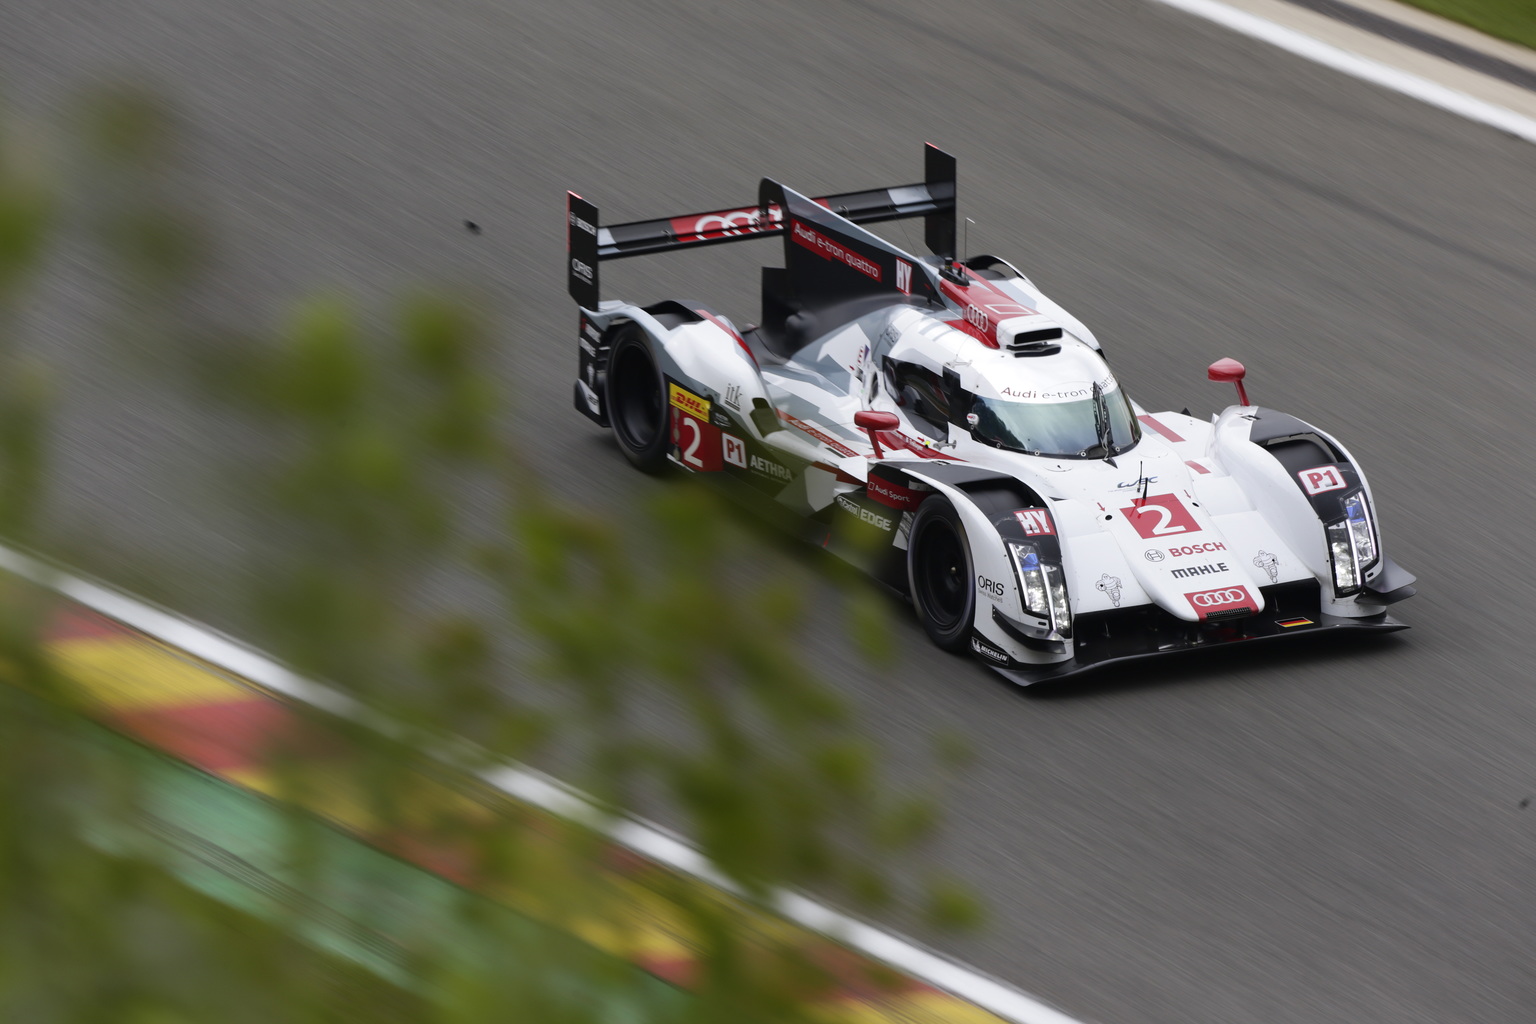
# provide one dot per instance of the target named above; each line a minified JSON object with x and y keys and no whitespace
{"x":955,"y":433}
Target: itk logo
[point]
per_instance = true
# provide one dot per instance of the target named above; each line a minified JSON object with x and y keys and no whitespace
{"x":1036,"y":522}
{"x":1320,"y":479}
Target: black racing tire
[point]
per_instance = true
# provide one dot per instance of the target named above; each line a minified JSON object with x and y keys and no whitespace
{"x":636,"y":399}
{"x":940,"y":575}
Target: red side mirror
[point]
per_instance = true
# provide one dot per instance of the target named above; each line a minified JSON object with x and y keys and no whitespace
{"x":870,"y":421}
{"x":1230,"y":370}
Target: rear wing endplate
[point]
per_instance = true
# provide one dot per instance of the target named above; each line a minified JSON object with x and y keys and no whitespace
{"x":589,"y":243}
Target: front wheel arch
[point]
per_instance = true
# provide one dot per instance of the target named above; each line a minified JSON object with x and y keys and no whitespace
{"x":941,"y":575}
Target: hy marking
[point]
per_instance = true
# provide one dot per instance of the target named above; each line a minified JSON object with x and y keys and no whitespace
{"x":1360,"y":67}
{"x":543,"y":791}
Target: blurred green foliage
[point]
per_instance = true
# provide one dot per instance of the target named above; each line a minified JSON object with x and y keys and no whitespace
{"x":1514,"y":20}
{"x":601,"y":646}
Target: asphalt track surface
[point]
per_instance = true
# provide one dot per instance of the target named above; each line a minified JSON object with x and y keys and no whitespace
{"x":1328,"y":834}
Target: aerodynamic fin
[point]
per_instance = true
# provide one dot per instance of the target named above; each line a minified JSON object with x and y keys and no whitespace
{"x":581,"y":250}
{"x":933,"y":199}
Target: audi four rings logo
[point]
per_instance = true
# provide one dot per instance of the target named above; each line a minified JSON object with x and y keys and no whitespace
{"x":735,"y":222}
{"x":1211,"y":598}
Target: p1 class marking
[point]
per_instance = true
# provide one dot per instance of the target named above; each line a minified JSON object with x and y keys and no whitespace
{"x":1321,"y":478}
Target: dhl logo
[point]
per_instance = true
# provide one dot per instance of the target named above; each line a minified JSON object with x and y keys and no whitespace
{"x":689,"y":402}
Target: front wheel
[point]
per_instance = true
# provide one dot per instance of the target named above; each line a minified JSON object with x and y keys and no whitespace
{"x":939,"y":574}
{"x":637,"y":401}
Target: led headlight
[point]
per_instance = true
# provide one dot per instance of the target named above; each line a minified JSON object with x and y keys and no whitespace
{"x":1352,"y":545}
{"x":1043,"y":586}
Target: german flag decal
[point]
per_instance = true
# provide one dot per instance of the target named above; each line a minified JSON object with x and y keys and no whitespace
{"x":1289,"y":623}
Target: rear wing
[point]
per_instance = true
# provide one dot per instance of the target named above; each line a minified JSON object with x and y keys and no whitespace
{"x":588,"y":243}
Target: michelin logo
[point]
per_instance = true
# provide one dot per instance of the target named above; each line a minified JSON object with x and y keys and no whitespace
{"x":989,"y":652}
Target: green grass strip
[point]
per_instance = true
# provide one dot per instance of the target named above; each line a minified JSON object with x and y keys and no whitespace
{"x":1514,"y":20}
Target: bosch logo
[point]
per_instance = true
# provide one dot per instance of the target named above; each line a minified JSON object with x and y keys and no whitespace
{"x":577,"y":222}
{"x":1212,"y":598}
{"x":1192,"y":549}
{"x":1155,"y":554}
{"x":990,"y":586}
{"x":581,"y":270}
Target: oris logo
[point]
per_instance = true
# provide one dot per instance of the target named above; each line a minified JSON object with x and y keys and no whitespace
{"x":1214,"y":598}
{"x":1193,"y":549}
{"x":581,"y":270}
{"x":990,"y":586}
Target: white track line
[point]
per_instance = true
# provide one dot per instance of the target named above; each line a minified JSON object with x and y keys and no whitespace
{"x":1360,"y":67}
{"x":534,"y":787}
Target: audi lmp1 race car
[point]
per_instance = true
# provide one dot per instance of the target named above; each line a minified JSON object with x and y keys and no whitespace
{"x":959,"y":436}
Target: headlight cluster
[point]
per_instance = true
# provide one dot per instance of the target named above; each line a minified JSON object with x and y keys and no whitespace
{"x":1043,"y":587}
{"x":1352,"y":545}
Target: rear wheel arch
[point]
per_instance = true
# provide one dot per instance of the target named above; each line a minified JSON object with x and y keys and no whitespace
{"x":635,"y":394}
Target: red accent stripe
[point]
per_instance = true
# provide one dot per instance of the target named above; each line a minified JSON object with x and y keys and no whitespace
{"x":1152,"y":422}
{"x":73,"y":622}
{"x":1196,"y":467}
{"x":215,"y":737}
{"x":982,"y":296}
{"x":728,"y":329}
{"x":896,"y":441}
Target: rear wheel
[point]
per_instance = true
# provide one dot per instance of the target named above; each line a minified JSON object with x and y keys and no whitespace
{"x":939,"y":574}
{"x":636,"y":401}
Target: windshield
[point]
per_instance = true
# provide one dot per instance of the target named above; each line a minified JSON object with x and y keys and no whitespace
{"x":1093,"y":428}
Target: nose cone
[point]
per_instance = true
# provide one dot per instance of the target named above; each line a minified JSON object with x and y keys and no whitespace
{"x":1181,"y":559}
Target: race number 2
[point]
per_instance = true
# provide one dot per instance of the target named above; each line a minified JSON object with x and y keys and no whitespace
{"x":1161,"y":515}
{"x":1320,"y":479}
{"x":697,"y":443}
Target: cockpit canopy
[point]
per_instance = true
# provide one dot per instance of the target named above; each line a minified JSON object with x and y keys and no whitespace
{"x":1100,"y":425}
